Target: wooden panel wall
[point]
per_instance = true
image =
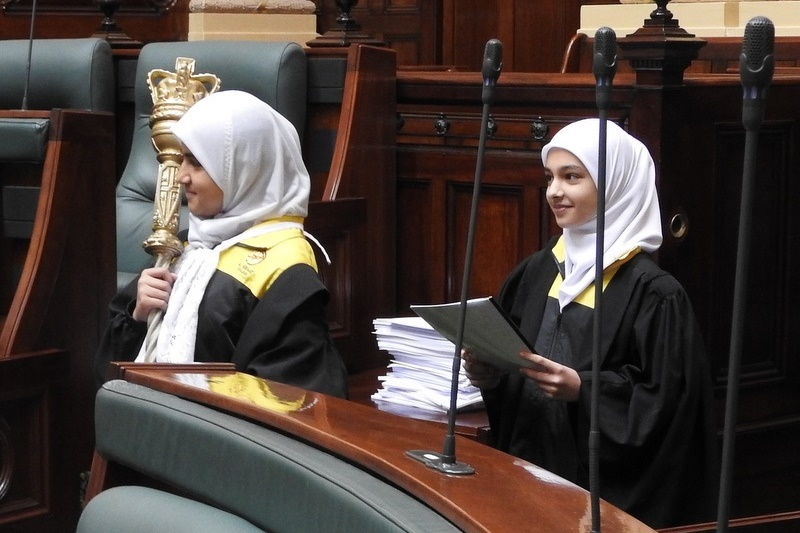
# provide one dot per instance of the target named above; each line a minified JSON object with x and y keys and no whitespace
{"x":141,"y":20}
{"x":428,"y":33}
{"x":410,"y":27}
{"x":453,"y":33}
{"x":435,"y":192}
{"x":534,"y":32}
{"x":701,"y":177}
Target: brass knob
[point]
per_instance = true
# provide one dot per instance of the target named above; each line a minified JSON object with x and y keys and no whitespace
{"x":539,"y":129}
{"x":679,"y":225}
{"x":441,"y":124}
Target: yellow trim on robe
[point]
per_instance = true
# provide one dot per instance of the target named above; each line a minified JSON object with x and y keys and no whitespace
{"x":257,"y":262}
{"x":586,"y":298}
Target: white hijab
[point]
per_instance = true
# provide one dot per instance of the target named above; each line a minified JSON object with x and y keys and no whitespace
{"x":632,"y":218}
{"x":253,"y":154}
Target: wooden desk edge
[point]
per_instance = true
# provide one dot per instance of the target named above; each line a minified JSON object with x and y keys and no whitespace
{"x":503,"y":495}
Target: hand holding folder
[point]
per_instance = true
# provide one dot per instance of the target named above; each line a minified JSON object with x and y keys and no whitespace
{"x":488,"y":332}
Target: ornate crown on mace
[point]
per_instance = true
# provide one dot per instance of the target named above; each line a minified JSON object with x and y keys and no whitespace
{"x":173,"y":93}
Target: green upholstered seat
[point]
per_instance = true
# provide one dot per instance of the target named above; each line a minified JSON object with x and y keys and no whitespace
{"x":134,"y":509}
{"x":64,"y":74}
{"x":270,"y":480}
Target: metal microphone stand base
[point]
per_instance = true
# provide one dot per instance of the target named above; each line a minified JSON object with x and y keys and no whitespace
{"x":439,"y":462}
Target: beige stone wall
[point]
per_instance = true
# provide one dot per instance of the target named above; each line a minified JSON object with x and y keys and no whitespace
{"x":255,"y":20}
{"x":704,"y":18}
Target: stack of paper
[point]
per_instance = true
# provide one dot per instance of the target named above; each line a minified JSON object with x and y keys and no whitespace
{"x":421,"y":368}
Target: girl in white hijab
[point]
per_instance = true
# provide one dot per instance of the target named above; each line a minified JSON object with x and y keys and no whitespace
{"x":633,"y":217}
{"x":245,"y":288}
{"x":657,"y":425}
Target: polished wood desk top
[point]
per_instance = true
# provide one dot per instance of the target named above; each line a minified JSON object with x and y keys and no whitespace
{"x":505,"y":494}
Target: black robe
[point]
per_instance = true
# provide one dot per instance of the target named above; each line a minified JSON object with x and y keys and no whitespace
{"x":282,"y":336}
{"x":658,"y":455}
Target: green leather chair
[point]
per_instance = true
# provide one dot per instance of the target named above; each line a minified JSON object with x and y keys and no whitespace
{"x":73,"y":74}
{"x":275,"y":72}
{"x":232,"y":475}
{"x":64,"y":73}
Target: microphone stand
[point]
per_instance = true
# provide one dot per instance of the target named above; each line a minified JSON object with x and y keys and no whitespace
{"x":446,"y":461}
{"x":604,"y":68}
{"x":24,"y":106}
{"x":757,"y":50}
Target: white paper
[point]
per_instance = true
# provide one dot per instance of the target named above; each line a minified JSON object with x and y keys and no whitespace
{"x":488,"y":333}
{"x":421,"y":369}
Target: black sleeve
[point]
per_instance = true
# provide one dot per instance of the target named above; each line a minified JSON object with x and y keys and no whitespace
{"x":286,"y":338}
{"x":646,"y":384}
{"x":656,"y":415}
{"x":123,"y":337}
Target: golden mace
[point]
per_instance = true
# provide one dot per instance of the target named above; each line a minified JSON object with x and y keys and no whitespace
{"x":173,"y":93}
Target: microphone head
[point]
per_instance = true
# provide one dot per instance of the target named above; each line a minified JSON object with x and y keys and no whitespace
{"x":757,"y":63}
{"x":604,"y":59}
{"x":759,"y":41}
{"x":492,"y":60}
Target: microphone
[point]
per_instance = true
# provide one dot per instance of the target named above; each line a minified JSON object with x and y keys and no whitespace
{"x":446,"y":462}
{"x":604,"y":64}
{"x":492,"y":65}
{"x":756,"y":66}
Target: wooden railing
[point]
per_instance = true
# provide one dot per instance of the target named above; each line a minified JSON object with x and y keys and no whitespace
{"x":504,"y":495}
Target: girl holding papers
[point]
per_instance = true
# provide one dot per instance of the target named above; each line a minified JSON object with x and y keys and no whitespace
{"x":656,"y":420}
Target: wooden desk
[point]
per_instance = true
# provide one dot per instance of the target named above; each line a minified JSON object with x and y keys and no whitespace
{"x":505,"y":494}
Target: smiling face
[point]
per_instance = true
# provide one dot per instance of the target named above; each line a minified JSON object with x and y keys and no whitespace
{"x":203,"y":196}
{"x":571,"y":192}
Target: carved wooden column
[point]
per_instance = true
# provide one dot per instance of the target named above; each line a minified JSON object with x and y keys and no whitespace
{"x":349,"y":31}
{"x":110,"y":30}
{"x":660,"y":51}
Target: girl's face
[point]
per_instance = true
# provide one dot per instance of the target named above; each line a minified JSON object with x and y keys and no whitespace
{"x":203,"y":196}
{"x":571,"y":192}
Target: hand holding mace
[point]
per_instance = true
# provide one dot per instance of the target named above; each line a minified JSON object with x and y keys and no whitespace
{"x":173,"y":93}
